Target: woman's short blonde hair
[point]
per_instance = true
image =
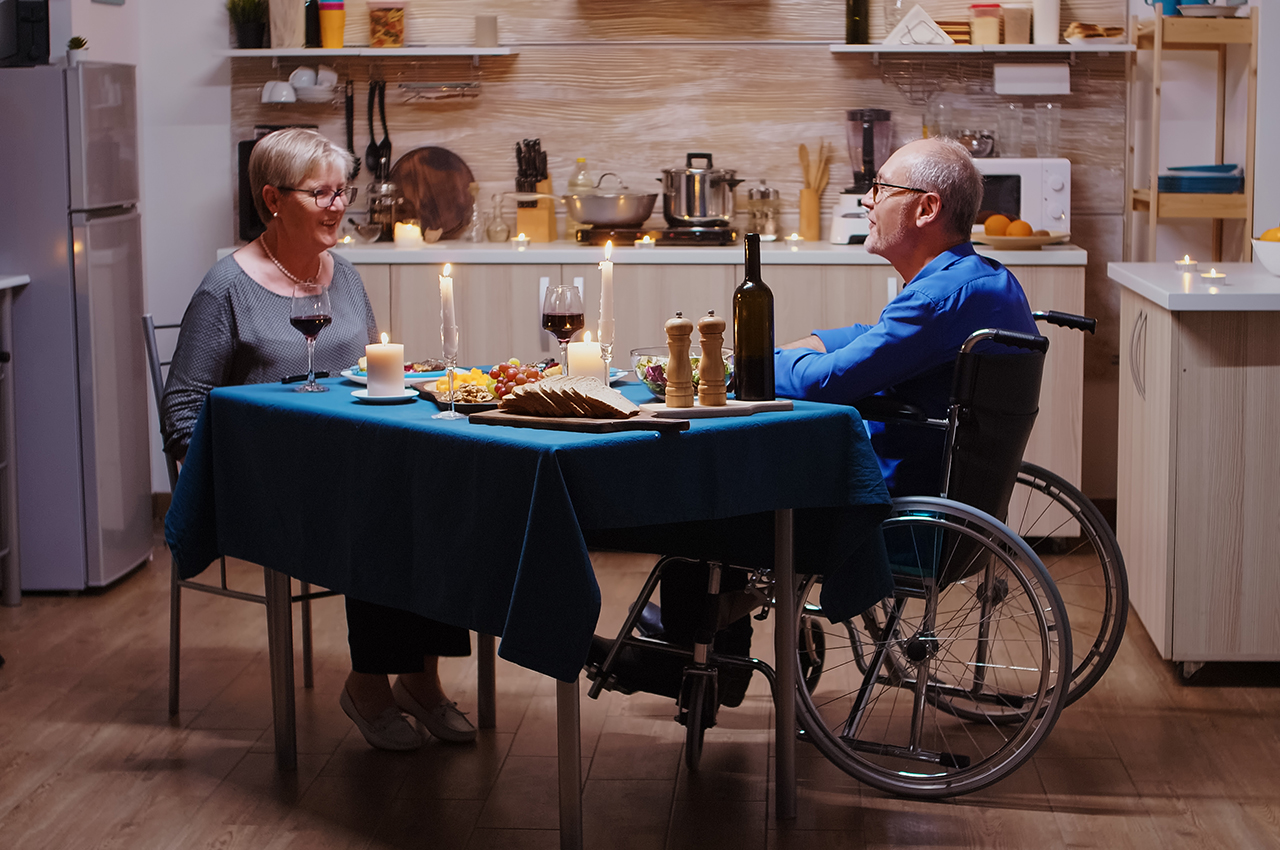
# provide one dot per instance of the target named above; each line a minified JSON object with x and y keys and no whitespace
{"x":287,"y":157}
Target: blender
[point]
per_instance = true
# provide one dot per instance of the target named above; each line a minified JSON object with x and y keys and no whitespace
{"x":870,"y":135}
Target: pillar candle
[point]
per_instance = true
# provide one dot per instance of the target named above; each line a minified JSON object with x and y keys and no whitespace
{"x":606,"y":297}
{"x":584,"y":359}
{"x":408,"y":235}
{"x":384,"y":366}
{"x":448,"y":320}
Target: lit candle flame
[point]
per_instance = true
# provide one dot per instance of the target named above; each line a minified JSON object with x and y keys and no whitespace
{"x":586,"y":336}
{"x":522,"y":237}
{"x":448,"y":269}
{"x":1186,"y":258}
{"x":385,"y":339}
{"x":795,"y":236}
{"x":608,"y":248}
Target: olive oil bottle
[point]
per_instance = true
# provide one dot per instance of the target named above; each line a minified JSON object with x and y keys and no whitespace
{"x":753,"y":331}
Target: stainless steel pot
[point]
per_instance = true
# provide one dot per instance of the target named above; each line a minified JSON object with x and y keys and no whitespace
{"x":698,"y":197}
{"x":611,"y":209}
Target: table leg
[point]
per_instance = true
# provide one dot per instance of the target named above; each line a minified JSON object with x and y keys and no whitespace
{"x":487,"y":678}
{"x":279,"y":594}
{"x":784,"y":647}
{"x":569,"y":756}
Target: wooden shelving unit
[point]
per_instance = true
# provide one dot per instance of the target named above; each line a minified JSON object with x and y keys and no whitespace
{"x":1184,"y":33}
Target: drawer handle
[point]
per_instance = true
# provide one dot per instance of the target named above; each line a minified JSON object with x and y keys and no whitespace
{"x":1138,"y":354}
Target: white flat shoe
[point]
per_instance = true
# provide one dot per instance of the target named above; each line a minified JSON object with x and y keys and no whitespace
{"x":444,"y":721}
{"x":388,"y":731}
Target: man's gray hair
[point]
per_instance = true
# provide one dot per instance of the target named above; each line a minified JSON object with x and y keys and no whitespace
{"x":287,"y":157}
{"x":949,"y":170}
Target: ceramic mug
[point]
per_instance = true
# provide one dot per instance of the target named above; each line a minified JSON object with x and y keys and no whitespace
{"x":278,"y":91}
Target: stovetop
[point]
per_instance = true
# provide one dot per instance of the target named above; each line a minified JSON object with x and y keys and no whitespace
{"x":683,"y":236}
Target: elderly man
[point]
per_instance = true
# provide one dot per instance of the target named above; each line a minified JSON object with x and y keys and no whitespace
{"x":921,"y":210}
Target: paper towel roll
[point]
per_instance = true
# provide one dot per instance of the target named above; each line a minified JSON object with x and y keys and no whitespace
{"x":1045,"y":23}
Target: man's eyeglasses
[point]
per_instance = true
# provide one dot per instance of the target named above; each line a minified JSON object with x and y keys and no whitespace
{"x":324,"y":198}
{"x":878,"y":185}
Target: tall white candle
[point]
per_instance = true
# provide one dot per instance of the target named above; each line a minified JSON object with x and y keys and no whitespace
{"x":584,"y":358}
{"x":448,"y":320}
{"x":384,"y":366}
{"x":606,"y":297}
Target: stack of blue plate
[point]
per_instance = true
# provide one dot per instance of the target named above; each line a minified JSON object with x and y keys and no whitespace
{"x":1207,"y":179}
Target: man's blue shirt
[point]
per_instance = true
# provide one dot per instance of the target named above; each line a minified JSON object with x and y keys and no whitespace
{"x":909,"y":353}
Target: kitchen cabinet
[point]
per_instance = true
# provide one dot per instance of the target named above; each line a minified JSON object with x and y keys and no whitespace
{"x":10,"y":572}
{"x":1200,"y":387}
{"x":1186,"y":33}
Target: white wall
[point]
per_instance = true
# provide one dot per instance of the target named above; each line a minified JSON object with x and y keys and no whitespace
{"x":1266,"y":187}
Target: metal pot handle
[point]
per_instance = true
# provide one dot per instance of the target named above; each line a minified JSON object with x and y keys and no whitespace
{"x":690,"y":157}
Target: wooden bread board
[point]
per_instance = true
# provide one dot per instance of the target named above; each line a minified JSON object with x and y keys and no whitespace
{"x":435,"y":186}
{"x":641,"y":422}
{"x":732,"y":407}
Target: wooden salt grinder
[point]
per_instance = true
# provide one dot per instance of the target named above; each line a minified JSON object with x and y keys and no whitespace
{"x":711,"y":389}
{"x":679,"y":371}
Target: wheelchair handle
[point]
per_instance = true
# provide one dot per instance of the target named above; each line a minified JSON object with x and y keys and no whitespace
{"x":1067,"y":320}
{"x":1034,"y":342}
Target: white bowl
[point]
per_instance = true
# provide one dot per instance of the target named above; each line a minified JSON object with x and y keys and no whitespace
{"x":314,"y":94}
{"x":326,"y":76}
{"x":1268,"y":253}
{"x":303,"y":77}
{"x":278,"y":91}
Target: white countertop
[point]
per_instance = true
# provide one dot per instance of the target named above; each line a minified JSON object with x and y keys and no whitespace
{"x":568,"y":253}
{"x":12,"y":280}
{"x":1247,"y":287}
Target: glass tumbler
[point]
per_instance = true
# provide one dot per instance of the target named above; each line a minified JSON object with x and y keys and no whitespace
{"x":1009,"y":130}
{"x":1048,"y":128}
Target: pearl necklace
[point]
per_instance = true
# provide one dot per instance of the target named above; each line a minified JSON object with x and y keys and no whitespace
{"x":272,"y":257}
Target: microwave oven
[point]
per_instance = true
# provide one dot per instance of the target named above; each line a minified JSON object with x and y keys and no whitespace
{"x":1036,"y":190}
{"x":24,"y":32}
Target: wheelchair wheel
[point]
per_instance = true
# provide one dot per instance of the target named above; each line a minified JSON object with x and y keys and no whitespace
{"x":1080,"y":551}
{"x":951,"y":683}
{"x":698,"y":705}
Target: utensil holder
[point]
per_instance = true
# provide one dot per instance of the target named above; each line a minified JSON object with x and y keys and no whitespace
{"x":810,"y":215}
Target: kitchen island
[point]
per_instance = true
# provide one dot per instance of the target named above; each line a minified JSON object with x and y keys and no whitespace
{"x":497,"y":289}
{"x":1198,"y":464}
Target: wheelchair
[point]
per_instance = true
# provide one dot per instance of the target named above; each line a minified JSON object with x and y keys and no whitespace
{"x":948,"y":684}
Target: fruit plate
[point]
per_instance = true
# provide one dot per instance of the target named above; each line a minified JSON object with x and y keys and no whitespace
{"x":1098,"y":39}
{"x":1020,"y":243}
{"x":359,"y":376}
{"x":426,"y":389}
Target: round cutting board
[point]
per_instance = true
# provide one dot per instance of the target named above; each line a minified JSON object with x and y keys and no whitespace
{"x":434,"y":183}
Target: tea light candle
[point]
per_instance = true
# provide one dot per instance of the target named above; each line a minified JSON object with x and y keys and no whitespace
{"x":606,"y":297}
{"x":795,"y":240}
{"x":448,"y":320}
{"x":646,"y":242}
{"x":1213,"y":276}
{"x":408,"y":235}
{"x":584,"y":359}
{"x":1186,"y":264}
{"x":384,"y":366}
{"x":520,"y":242}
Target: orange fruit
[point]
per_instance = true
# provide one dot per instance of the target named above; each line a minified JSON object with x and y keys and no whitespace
{"x":1272,"y":235}
{"x":996,"y":225}
{"x":1018,"y":228}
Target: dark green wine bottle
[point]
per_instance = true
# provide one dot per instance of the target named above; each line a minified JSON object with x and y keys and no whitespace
{"x":753,"y":331}
{"x":857,"y":22}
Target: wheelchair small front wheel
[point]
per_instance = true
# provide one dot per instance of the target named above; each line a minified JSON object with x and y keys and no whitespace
{"x":698,"y":705}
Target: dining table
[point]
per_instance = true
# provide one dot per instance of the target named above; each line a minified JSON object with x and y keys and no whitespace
{"x":490,"y":527}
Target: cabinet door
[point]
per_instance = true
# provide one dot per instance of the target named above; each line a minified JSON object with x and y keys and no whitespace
{"x":377,"y":283}
{"x":1144,"y":480}
{"x":855,"y":294}
{"x":644,"y":297}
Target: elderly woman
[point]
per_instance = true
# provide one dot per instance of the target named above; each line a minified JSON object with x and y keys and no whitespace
{"x":236,"y":331}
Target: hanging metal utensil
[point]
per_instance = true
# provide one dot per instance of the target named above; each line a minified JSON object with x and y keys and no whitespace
{"x":384,"y":147}
{"x":351,"y":116}
{"x":372,"y":151}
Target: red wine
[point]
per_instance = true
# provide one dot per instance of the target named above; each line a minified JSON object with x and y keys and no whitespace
{"x":563,"y":325}
{"x":310,"y":325}
{"x":753,"y":331}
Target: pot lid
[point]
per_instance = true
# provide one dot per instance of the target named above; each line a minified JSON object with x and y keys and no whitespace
{"x":690,"y":168}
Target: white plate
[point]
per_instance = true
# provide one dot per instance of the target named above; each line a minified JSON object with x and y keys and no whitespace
{"x":1207,"y":11}
{"x":1071,"y":39}
{"x":1020,"y":243}
{"x":409,"y":377}
{"x":363,"y":395}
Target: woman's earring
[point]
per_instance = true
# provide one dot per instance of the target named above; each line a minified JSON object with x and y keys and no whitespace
{"x":275,"y":214}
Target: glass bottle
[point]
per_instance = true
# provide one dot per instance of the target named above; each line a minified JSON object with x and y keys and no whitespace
{"x":475,"y":229}
{"x":857,"y":22}
{"x":894,"y":11}
{"x":497,"y":229}
{"x":579,"y":184}
{"x":753,"y":330}
{"x":383,"y":198}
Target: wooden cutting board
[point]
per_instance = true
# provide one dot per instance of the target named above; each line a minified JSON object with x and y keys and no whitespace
{"x":642,"y":422}
{"x":435,"y":185}
{"x":732,"y":407}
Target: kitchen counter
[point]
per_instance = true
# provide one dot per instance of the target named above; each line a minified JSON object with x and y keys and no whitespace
{"x":1248,"y":287}
{"x":771,"y":254}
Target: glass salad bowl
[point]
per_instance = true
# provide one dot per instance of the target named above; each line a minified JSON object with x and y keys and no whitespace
{"x":650,"y":366}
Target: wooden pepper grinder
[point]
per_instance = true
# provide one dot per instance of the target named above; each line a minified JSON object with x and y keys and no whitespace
{"x":711,"y":389}
{"x":679,"y":370}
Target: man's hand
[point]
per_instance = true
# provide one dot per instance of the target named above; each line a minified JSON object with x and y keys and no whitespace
{"x":811,"y":341}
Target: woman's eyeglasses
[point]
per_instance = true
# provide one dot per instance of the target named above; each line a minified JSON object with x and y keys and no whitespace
{"x":324,"y":198}
{"x":878,"y":185}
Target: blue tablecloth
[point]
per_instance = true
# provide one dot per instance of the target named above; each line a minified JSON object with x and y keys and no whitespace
{"x":488,"y":527}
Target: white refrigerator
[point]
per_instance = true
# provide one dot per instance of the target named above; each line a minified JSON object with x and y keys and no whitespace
{"x":69,"y":141}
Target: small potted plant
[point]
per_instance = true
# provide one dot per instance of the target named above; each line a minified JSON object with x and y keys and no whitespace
{"x":76,"y":47}
{"x":249,"y":17}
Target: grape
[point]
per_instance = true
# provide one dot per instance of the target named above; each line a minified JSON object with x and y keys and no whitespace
{"x":522,"y":379}
{"x":495,"y":373}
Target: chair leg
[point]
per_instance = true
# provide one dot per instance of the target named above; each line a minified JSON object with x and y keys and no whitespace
{"x":175,"y":638}
{"x":486,"y":684}
{"x":280,"y":654}
{"x":308,"y":679}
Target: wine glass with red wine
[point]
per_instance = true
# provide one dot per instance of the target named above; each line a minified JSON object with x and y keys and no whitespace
{"x":310,"y":313}
{"x":562,"y":315}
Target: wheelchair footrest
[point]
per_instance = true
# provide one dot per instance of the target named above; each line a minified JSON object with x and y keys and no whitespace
{"x":654,"y":671}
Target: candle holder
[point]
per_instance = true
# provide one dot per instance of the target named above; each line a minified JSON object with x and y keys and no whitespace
{"x":1186,"y":264}
{"x":1214,"y":277}
{"x":794,"y":241}
{"x":520,"y":242}
{"x":451,"y":366}
{"x":606,"y":354}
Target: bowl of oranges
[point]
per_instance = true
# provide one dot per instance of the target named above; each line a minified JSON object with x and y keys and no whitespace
{"x":1005,"y":234}
{"x":1267,"y":249}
